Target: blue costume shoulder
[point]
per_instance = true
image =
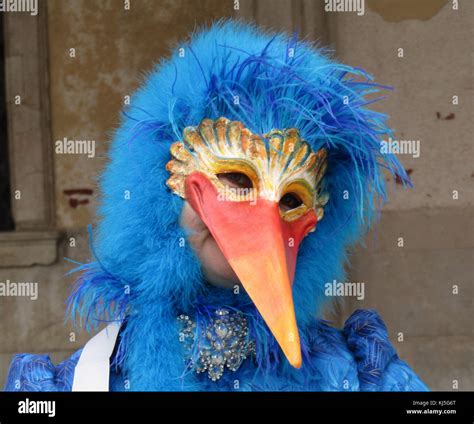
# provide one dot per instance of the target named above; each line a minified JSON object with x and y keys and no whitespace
{"x":378,"y":365}
{"x":358,"y":358}
{"x":36,"y":373}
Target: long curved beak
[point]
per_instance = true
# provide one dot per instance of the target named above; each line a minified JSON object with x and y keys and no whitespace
{"x":261,"y":248}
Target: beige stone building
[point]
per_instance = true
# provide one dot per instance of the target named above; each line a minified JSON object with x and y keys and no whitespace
{"x":69,"y":70}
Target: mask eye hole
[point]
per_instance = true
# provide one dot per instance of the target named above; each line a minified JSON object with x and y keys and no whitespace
{"x":290,"y":201}
{"x":235,"y":180}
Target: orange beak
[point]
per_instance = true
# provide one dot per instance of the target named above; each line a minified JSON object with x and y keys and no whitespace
{"x":261,"y":248}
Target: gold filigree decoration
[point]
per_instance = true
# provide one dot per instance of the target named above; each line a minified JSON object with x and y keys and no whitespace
{"x":284,"y":164}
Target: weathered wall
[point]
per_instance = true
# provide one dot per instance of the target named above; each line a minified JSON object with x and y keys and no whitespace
{"x":412,"y":286}
{"x":435,"y":67}
{"x":114,"y":49}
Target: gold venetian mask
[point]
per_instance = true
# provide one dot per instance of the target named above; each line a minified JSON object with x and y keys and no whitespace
{"x":285,"y":165}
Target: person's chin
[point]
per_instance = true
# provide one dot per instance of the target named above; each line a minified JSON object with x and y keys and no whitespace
{"x":221,"y":275}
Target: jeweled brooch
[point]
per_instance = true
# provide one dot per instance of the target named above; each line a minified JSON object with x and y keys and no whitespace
{"x":222,"y":343}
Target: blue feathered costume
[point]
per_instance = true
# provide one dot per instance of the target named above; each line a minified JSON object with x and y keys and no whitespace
{"x":174,"y":326}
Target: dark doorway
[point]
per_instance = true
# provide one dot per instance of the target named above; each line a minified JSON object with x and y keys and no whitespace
{"x":6,"y":220}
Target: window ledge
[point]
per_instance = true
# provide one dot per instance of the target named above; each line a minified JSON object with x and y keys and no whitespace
{"x":27,"y":248}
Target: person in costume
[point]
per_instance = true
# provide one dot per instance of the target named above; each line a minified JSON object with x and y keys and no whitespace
{"x":244,"y":169}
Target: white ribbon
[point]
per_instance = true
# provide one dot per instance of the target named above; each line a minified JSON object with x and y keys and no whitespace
{"x":92,"y":371}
